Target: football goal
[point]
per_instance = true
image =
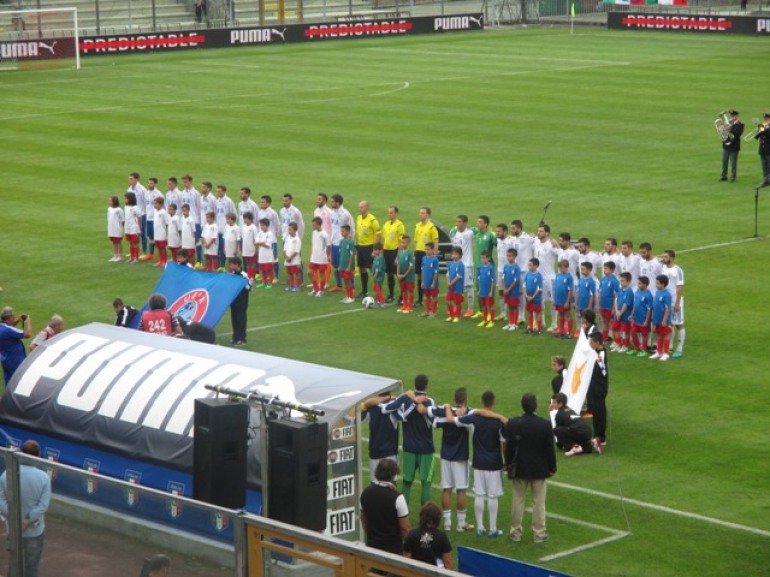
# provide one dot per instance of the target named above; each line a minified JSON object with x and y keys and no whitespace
{"x":45,"y":38}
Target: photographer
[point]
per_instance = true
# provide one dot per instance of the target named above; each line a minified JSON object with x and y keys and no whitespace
{"x":12,"y":351}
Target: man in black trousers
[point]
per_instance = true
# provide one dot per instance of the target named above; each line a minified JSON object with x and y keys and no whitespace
{"x":240,"y":306}
{"x":598,"y":388}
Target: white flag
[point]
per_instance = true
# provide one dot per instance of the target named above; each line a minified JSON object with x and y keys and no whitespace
{"x":579,"y":371}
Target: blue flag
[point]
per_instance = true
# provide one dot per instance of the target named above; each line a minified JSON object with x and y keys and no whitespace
{"x":196,"y":296}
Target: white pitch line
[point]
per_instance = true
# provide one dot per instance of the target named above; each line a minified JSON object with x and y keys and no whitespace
{"x":663,"y":509}
{"x":617,"y":537}
{"x":297,"y":321}
{"x":718,"y":245}
{"x":499,"y":56}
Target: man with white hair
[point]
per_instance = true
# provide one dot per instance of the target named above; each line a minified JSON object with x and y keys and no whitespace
{"x":54,"y":327}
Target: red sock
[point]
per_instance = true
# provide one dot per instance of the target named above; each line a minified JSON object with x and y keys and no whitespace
{"x":492,"y":314}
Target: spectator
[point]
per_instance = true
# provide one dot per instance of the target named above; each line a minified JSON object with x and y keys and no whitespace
{"x":12,"y":351}
{"x":384,"y":513}
{"x":54,"y":327}
{"x":125,"y":313}
{"x":428,"y":543}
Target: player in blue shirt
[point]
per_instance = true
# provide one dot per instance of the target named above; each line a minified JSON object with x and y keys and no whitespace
{"x":640,"y":319}
{"x":608,"y":289}
{"x":512,"y":288}
{"x":455,"y":454}
{"x":562,"y":300}
{"x":455,"y":278}
{"x":533,"y":293}
{"x":661,"y":312}
{"x":585,"y":292}
{"x":487,"y":460}
{"x":383,"y":431}
{"x":429,"y":280}
{"x":487,"y":277}
{"x":413,"y":407}
{"x":621,"y":320}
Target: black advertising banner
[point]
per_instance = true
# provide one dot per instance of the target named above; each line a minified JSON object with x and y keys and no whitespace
{"x":689,"y":23}
{"x":45,"y":49}
{"x":225,"y":38}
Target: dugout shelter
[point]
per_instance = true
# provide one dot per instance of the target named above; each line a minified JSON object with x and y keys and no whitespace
{"x":121,"y":403}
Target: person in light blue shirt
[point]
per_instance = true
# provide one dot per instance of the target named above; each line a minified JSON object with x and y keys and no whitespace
{"x":35,"y":487}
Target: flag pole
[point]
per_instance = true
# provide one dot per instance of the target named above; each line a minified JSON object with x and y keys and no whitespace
{"x":572,"y":18}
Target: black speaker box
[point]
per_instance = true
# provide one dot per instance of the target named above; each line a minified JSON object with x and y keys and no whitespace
{"x":219,"y":452}
{"x":297,"y":473}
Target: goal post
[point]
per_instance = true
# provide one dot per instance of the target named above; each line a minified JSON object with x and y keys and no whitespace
{"x":45,"y":38}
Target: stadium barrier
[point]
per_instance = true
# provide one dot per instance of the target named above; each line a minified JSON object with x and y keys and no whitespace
{"x":257,"y":36}
{"x":689,"y":22}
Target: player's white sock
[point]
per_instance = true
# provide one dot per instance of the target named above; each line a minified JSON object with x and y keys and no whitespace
{"x":680,"y":340}
{"x":447,"y":517}
{"x":461,"y":521}
{"x":478,"y":508}
{"x":492,"y":506}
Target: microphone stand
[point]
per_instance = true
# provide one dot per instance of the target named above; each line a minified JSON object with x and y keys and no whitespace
{"x":545,"y":210}
{"x":756,"y":211}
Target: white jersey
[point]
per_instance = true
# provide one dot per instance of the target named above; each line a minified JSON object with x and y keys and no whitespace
{"x":272,"y":216}
{"x":546,"y":253}
{"x":149,"y":199}
{"x":133,"y":218}
{"x":224,"y":206}
{"x":232,"y":238}
{"x":188,"y":232}
{"x":289,"y":215}
{"x":464,"y":240}
{"x":675,"y":276}
{"x":210,"y":232}
{"x":596,"y":261}
{"x":141,"y":197}
{"x":651,"y":269}
{"x":292,"y":245}
{"x":174,"y":231}
{"x":208,"y":204}
{"x":318,"y":253}
{"x":629,"y":264}
{"x":615,"y":258}
{"x":325,"y":214}
{"x":524,"y":245}
{"x":572,"y":256}
{"x":265,"y":252}
{"x":339,"y":217}
{"x":192,"y":197}
{"x":115,"y":220}
{"x":503,"y":244}
{"x":245,"y":206}
{"x":249,"y":236}
{"x":161,"y":219}
{"x":173,"y":197}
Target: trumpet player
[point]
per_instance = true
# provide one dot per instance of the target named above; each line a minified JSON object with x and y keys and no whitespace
{"x":731,"y":146}
{"x":763,"y":135}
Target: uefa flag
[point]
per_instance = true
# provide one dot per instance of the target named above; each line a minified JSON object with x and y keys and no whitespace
{"x":579,"y":371}
{"x":196,"y":296}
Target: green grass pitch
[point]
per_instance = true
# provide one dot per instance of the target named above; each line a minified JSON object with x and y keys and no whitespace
{"x":613,"y":127}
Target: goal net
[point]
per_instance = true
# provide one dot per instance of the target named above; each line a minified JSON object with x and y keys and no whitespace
{"x":45,"y":38}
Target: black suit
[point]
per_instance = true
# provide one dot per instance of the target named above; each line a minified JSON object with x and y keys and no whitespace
{"x":597,"y":396}
{"x":730,"y":149}
{"x":529,"y":447}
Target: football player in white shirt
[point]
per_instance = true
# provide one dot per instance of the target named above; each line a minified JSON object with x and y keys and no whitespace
{"x":264,"y":242}
{"x":191,"y":196}
{"x":504,"y":242}
{"x":150,"y":194}
{"x":139,"y":191}
{"x":174,"y":231}
{"x":188,"y":233}
{"x":570,"y":254}
{"x":160,"y":231}
{"x":210,"y":240}
{"x":172,"y":193}
{"x":323,"y":212}
{"x":224,"y":206}
{"x":587,"y":255}
{"x":249,"y":233}
{"x":339,"y":216}
{"x":208,"y":201}
{"x":319,"y":256}
{"x":546,"y":251}
{"x":232,"y":235}
{"x":649,"y":266}
{"x":675,"y":287}
{"x":524,"y":244}
{"x":629,"y":262}
{"x":462,"y":237}
{"x":115,"y":220}
{"x":611,"y":253}
{"x":292,"y":247}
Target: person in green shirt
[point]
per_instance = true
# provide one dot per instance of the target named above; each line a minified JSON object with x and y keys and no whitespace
{"x":378,"y":273}
{"x":347,"y":263}
{"x":405,"y":274}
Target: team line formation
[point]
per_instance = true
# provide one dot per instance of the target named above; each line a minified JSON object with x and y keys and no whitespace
{"x":637,"y":296}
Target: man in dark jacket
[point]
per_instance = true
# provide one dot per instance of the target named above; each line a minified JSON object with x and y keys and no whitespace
{"x":531,"y":458}
{"x":573,"y":433}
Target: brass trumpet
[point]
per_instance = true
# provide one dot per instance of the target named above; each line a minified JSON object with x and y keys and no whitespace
{"x":761,"y":127}
{"x":722,"y":125}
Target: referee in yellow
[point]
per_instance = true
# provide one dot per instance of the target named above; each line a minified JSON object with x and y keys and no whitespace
{"x":392,"y":231}
{"x":368,"y":232}
{"x":424,"y":232}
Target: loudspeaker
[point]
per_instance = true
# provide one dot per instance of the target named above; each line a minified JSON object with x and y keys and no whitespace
{"x":297,"y":473}
{"x":219,"y":452}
